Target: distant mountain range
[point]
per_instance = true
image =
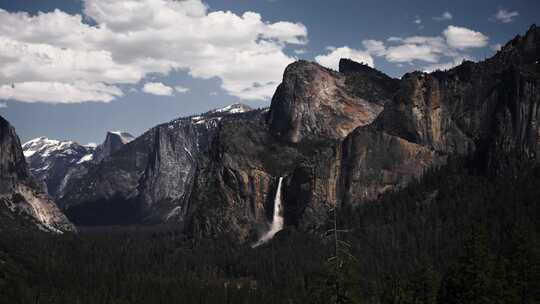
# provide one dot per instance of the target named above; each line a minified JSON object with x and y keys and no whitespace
{"x":55,"y":162}
{"x":336,"y":138}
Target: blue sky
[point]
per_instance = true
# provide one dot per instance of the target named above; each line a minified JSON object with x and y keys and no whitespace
{"x":46,"y":94}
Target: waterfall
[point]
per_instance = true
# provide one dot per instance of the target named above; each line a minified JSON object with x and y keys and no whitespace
{"x":277,"y":218}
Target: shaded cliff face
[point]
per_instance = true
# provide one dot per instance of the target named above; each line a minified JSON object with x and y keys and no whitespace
{"x":20,"y":195}
{"x":298,"y":138}
{"x":149,"y":179}
{"x":237,"y":179}
{"x":113,"y":142}
{"x":315,"y":101}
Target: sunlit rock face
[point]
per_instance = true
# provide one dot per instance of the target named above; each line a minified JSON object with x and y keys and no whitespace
{"x":488,"y":109}
{"x":487,"y":112}
{"x":20,"y":194}
{"x":315,"y":101}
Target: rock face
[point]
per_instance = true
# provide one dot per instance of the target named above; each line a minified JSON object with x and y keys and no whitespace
{"x":237,"y":179}
{"x":485,"y":111}
{"x":336,"y":137}
{"x":150,"y":179}
{"x":315,"y":101}
{"x":52,"y":162}
{"x":114,"y":140}
{"x":55,"y":162}
{"x":19,"y":193}
{"x":312,"y":110}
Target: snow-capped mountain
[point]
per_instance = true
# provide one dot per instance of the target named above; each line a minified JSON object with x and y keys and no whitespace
{"x":232,"y":109}
{"x":54,"y":162}
{"x":50,"y":160}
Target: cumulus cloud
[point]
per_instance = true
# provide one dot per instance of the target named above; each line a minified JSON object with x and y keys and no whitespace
{"x":400,"y":50}
{"x":496,"y":47}
{"x":374,"y":47}
{"x":61,"y":50}
{"x":440,"y":52}
{"x":421,"y":48}
{"x":505,"y":16}
{"x":157,"y":88}
{"x":59,"y":92}
{"x":445,"y":16}
{"x":463,"y":38}
{"x":331,"y":59}
{"x":181,"y":89}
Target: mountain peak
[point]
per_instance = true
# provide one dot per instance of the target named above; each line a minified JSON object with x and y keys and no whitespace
{"x":123,"y":136}
{"x":233,"y":109}
{"x":46,"y":146}
{"x":348,"y":65}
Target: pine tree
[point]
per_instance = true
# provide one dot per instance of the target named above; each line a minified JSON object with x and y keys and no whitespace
{"x":469,"y":280}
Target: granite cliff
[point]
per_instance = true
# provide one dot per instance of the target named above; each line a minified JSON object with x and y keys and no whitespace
{"x":22,"y":200}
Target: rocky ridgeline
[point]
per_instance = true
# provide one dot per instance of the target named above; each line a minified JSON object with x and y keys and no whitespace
{"x":336,"y":137}
{"x":150,"y":179}
{"x":55,"y":162}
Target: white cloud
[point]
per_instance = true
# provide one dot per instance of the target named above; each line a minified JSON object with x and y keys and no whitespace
{"x":417,"y":20}
{"x":157,"y":88}
{"x":495,"y":47}
{"x":446,"y":65}
{"x":505,"y":16}
{"x":442,"y":52}
{"x":374,"y":47}
{"x":3,"y":105}
{"x":428,"y":49}
{"x":445,"y":16}
{"x":331,"y":60}
{"x":422,"y":48}
{"x":410,"y":52}
{"x":181,"y":89}
{"x":59,"y":92}
{"x":300,"y":51}
{"x":463,"y":38}
{"x":243,"y":51}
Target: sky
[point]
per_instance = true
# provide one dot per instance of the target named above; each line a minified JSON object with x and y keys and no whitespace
{"x":74,"y":69}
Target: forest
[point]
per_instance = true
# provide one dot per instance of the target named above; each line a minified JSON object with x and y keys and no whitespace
{"x":453,"y":236}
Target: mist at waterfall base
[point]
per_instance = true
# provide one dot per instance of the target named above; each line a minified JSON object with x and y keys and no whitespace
{"x":277,"y":219}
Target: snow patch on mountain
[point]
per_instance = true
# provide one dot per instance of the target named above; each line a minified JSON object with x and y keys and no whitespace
{"x":233,"y":109}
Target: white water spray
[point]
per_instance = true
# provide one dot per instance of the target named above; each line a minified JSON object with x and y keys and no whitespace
{"x":277,"y":219}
